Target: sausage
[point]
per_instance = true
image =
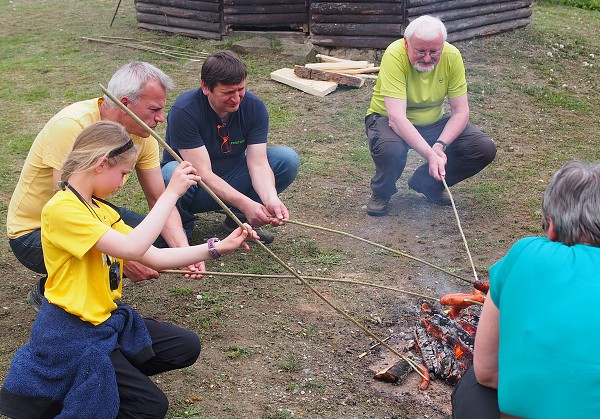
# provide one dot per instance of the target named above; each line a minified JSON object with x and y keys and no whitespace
{"x":481,"y":286}
{"x":458,"y":299}
{"x":424,"y":381}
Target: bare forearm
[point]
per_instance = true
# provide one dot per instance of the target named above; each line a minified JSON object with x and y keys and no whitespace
{"x":409,"y":134}
{"x":173,"y":232}
{"x":454,"y":127}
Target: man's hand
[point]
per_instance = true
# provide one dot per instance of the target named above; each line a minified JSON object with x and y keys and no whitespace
{"x":195,"y":270}
{"x":437,"y":162}
{"x":137,"y":272}
{"x":277,"y":211}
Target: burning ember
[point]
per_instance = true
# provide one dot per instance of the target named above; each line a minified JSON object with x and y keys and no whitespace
{"x":444,"y":341}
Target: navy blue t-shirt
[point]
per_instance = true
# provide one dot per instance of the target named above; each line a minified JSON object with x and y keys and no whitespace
{"x":192,"y":123}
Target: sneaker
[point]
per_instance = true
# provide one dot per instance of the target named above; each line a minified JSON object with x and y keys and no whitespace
{"x":435,"y":197}
{"x":264,"y":235}
{"x":36,"y":295}
{"x":377,"y":206}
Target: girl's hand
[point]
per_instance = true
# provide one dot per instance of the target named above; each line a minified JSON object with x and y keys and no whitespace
{"x":236,"y":240}
{"x":183,"y":177}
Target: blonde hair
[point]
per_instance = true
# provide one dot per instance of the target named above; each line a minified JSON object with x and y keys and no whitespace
{"x":104,"y":139}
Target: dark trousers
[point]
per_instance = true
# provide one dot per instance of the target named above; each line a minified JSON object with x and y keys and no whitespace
{"x":28,"y":247}
{"x":174,"y":348}
{"x":471,"y":400}
{"x":467,"y":155}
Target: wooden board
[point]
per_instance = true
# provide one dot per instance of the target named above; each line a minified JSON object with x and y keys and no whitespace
{"x":313,"y":87}
{"x":314,"y":74}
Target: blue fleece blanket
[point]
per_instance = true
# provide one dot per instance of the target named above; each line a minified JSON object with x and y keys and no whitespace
{"x":68,"y":360}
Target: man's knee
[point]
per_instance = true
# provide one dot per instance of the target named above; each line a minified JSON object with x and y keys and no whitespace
{"x":167,"y":171}
{"x":285,"y":163}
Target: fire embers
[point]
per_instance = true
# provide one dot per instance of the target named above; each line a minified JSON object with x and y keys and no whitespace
{"x":446,"y":344}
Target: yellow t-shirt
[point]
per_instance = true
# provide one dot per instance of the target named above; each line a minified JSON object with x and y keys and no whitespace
{"x":78,"y":274}
{"x":424,"y":92}
{"x":48,"y":151}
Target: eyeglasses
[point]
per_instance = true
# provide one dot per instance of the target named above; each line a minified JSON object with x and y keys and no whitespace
{"x":223,"y":132}
{"x":422,"y":53}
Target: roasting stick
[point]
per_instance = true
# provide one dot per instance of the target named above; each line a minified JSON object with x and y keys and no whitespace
{"x":204,"y":186}
{"x":459,"y":227}
{"x":310,"y":278}
{"x":398,"y":252}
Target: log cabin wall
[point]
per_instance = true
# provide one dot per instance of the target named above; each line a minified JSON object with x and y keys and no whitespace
{"x":372,"y":24}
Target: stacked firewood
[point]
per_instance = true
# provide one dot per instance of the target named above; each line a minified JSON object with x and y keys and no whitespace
{"x":322,"y":78}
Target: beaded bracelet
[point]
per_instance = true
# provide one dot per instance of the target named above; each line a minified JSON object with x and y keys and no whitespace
{"x":211,"y":247}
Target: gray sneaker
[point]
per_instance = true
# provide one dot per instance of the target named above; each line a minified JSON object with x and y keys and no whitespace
{"x":377,"y":206}
{"x":437,"y":197}
{"x":36,"y":295}
{"x":264,"y":235}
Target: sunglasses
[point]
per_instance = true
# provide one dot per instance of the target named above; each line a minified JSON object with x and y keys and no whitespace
{"x":223,"y":132}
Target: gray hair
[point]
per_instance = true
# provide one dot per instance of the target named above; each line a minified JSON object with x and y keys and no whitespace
{"x":572,"y":201}
{"x":426,"y":27}
{"x":130,"y":79}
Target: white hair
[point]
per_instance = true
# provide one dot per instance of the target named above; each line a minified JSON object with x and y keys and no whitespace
{"x":426,"y":27}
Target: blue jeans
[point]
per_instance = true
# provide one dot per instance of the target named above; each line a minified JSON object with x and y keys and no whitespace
{"x":284,"y":162}
{"x":28,"y":247}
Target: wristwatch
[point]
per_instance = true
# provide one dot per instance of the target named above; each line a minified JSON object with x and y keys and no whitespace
{"x":444,"y":145}
{"x":211,"y":247}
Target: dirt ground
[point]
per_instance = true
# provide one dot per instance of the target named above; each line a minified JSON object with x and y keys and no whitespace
{"x":271,"y":347}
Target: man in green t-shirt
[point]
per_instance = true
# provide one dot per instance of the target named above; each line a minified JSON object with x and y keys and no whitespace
{"x":417,"y":73}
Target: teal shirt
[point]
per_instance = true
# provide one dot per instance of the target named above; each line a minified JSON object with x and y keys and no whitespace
{"x":548,"y":295}
{"x":425,"y":92}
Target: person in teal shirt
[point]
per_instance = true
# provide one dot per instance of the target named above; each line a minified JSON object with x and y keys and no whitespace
{"x":417,"y":74}
{"x":537,"y":338}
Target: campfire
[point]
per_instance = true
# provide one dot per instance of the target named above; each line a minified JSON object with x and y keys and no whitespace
{"x":444,"y":340}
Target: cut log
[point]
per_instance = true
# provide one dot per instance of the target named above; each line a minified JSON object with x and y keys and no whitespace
{"x":314,"y":74}
{"x":342,"y":65}
{"x":313,"y":87}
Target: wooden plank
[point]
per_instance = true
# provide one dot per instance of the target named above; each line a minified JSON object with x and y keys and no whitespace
{"x":174,"y":22}
{"x":356,"y":8}
{"x":318,"y":18}
{"x":313,"y":87}
{"x":176,"y":12}
{"x":207,"y":6}
{"x":360,"y":70}
{"x":181,"y":31}
{"x":356,"y":29}
{"x":437,"y":6}
{"x":376,"y":42}
{"x":339,"y":65}
{"x":455,"y":14}
{"x":314,"y":74}
{"x":488,"y":29}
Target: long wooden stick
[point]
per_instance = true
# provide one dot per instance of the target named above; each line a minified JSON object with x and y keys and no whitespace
{"x":204,"y":186}
{"x":460,"y":227}
{"x":398,"y":252}
{"x":310,"y":278}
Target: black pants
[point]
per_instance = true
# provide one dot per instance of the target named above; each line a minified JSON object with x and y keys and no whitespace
{"x":467,"y":155}
{"x":471,"y":400}
{"x":174,"y":348}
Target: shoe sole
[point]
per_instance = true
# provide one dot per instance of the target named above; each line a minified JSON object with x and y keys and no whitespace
{"x":33,"y":302}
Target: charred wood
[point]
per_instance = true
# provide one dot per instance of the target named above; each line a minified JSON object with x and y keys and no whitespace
{"x":166,"y":22}
{"x":455,"y":14}
{"x":356,"y":29}
{"x":194,"y":15}
{"x":181,"y":31}
{"x":206,"y":5}
{"x":380,"y":42}
{"x":334,"y":8}
{"x":488,"y":30}
{"x":396,"y":19}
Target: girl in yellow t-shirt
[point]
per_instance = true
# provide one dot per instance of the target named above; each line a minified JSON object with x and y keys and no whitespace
{"x":89,"y":354}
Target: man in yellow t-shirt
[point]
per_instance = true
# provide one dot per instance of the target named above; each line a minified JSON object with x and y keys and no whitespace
{"x":417,"y":74}
{"x":143,"y":89}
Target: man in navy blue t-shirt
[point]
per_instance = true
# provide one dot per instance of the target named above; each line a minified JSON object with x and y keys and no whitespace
{"x":222,"y":130}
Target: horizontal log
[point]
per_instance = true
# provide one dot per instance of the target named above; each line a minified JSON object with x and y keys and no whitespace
{"x":195,"y":15}
{"x":356,"y":18}
{"x":474,"y":22}
{"x":271,"y":20}
{"x":356,"y":29}
{"x":260,"y":2}
{"x":488,"y":30}
{"x":179,"y":23}
{"x":314,"y":74}
{"x":206,"y":6}
{"x":375,"y":42}
{"x":455,"y":14}
{"x":330,"y":8}
{"x":180,"y":31}
{"x":275,"y":9}
{"x":341,"y":65}
{"x":436,"y":6}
